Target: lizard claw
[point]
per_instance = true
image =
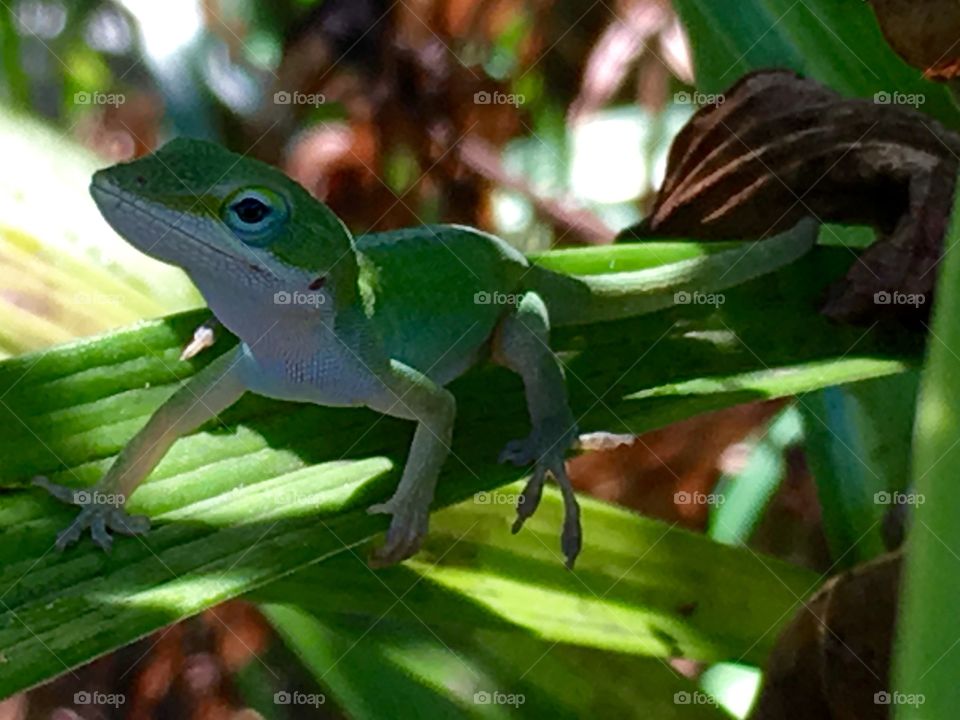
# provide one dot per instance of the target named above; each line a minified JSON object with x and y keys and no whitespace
{"x":408,"y":527}
{"x":98,"y":514}
{"x":203,"y":337}
{"x":545,"y":447}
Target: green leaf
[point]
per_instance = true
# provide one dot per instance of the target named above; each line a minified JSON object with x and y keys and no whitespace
{"x":838,"y":43}
{"x":858,"y":447}
{"x":926,"y":662}
{"x":746,"y":494}
{"x":856,"y":437}
{"x":280,"y":486}
{"x":487,"y":614}
{"x":66,"y":273}
{"x":643,"y":587}
{"x":405,"y":667}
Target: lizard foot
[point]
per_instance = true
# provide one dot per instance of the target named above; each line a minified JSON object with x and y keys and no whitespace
{"x":545,"y":447}
{"x":408,"y":527}
{"x":100,"y":512}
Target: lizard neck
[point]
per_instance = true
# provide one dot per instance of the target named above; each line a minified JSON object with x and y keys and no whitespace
{"x":291,"y":309}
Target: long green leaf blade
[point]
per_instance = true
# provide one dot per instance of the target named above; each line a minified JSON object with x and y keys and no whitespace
{"x":926,"y":662}
{"x":280,"y":486}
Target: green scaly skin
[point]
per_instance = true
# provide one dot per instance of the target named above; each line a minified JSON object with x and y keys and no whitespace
{"x":384,"y":320}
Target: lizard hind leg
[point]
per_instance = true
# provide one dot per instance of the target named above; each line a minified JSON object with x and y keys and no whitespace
{"x":521,"y":343}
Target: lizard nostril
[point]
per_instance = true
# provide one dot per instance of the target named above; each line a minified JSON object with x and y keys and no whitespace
{"x":317,"y":283}
{"x":140,"y":180}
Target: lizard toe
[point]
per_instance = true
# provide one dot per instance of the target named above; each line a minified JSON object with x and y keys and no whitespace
{"x":529,"y":498}
{"x":121,"y":522}
{"x":408,"y":527}
{"x":552,"y":463}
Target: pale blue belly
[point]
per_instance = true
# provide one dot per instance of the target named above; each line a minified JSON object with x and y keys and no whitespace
{"x":325,"y":378}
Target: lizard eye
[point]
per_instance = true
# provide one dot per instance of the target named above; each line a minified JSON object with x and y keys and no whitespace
{"x":254,"y":214}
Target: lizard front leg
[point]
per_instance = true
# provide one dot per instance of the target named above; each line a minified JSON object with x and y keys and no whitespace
{"x":413,"y":396}
{"x":207,"y":393}
{"x":521,"y":343}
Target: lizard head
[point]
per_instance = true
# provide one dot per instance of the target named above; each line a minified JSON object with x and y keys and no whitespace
{"x":229,"y":221}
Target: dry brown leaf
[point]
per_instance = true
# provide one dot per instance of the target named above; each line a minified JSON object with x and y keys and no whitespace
{"x":778,"y":147}
{"x":925,"y":33}
{"x":833,"y":661}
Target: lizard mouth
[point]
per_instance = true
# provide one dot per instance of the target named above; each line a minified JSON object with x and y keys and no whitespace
{"x":109,"y":198}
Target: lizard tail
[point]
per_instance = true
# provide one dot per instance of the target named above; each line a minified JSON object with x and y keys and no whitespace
{"x":582,"y":299}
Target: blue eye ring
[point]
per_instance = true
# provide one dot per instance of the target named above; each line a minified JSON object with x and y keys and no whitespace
{"x":255,"y":214}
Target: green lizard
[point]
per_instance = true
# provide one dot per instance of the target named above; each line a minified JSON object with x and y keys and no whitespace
{"x":383,"y":320}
